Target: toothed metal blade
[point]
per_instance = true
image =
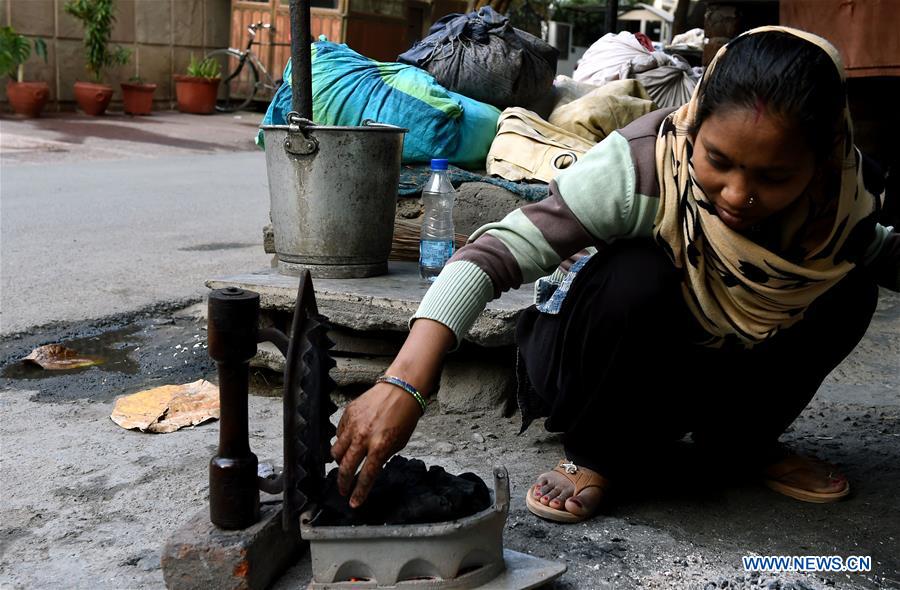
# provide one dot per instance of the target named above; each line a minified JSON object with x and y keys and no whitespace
{"x":307,"y":406}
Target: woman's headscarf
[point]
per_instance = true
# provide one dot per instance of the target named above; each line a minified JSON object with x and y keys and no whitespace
{"x":734,"y":286}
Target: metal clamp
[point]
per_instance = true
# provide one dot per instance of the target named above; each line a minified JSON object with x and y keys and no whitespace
{"x":298,"y":142}
{"x":560,"y":162}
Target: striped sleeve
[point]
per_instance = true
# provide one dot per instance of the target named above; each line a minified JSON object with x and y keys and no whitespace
{"x":590,"y":204}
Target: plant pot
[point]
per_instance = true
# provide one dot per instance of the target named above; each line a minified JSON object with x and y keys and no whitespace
{"x":93,"y":98}
{"x":196,"y":95}
{"x":27,"y":98}
{"x":138,"y":98}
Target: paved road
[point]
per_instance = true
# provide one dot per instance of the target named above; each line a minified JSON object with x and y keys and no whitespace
{"x":90,"y":238}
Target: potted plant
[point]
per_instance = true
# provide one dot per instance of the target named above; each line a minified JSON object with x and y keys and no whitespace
{"x":97,"y":18}
{"x":196,"y":92}
{"x":138,"y":96}
{"x":25,"y":98}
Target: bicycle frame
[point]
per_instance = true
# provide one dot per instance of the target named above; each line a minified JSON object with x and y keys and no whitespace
{"x":238,"y":73}
{"x":248,"y":53}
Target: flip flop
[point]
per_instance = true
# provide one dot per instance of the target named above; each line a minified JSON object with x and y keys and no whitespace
{"x":787,"y":476}
{"x":580,"y":478}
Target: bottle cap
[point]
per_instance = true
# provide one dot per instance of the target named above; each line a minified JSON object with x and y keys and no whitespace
{"x":439,"y":164}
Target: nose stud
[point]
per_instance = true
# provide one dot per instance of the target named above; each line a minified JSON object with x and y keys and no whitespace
{"x":751,"y":200}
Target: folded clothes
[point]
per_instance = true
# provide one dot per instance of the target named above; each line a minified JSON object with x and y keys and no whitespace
{"x":413,"y":178}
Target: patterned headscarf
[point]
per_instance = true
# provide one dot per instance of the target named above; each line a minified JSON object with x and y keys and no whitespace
{"x":733,"y":286}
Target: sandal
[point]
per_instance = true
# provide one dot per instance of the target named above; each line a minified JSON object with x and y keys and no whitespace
{"x":580,"y":478}
{"x":795,"y":475}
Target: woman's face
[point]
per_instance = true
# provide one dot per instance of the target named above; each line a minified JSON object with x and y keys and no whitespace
{"x":742,"y":153}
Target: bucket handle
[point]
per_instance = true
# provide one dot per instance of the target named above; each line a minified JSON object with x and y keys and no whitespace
{"x":373,"y":123}
{"x":304,"y":145}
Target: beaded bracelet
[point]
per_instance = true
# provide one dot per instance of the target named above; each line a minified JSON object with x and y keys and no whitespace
{"x":405,"y":387}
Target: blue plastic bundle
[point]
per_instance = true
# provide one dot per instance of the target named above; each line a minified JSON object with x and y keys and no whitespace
{"x":349,"y":88}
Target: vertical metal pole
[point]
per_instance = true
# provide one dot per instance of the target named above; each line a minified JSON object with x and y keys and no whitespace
{"x":301,"y":59}
{"x":232,"y":334}
{"x":612,"y":15}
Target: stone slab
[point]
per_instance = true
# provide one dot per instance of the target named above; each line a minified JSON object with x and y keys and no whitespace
{"x":32,"y":17}
{"x":123,"y":28}
{"x":468,"y":384}
{"x":479,"y":203}
{"x":217,"y":30}
{"x":379,"y":303}
{"x":472,"y":384}
{"x":199,"y":555}
{"x":188,"y":19}
{"x":67,"y":26}
{"x":153,"y":22}
{"x":476,"y":204}
{"x":368,"y":344}
{"x":348,"y":372}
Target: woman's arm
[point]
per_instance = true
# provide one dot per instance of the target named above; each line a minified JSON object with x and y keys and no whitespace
{"x":379,"y":422}
{"x":599,"y":206}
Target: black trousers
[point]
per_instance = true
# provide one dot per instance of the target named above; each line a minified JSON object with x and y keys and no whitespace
{"x":618,"y":372}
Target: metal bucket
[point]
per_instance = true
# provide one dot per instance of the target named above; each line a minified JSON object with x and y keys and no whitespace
{"x":333,"y":194}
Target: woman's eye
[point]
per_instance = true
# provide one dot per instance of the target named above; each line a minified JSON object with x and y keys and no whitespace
{"x":717,"y":164}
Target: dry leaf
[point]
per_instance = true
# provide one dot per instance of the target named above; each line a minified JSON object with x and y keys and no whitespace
{"x":168,"y":408}
{"x":56,"y":357}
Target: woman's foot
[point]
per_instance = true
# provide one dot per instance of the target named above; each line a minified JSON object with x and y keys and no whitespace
{"x":806,"y":478}
{"x":568,"y":493}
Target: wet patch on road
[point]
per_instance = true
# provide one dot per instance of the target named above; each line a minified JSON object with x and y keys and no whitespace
{"x":142,"y":350}
{"x":113,"y":349}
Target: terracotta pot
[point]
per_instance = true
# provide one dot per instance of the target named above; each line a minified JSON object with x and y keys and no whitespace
{"x":93,"y":98}
{"x":196,"y":95}
{"x":138,"y":98}
{"x":27,"y":98}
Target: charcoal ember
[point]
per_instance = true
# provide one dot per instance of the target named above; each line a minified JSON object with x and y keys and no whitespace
{"x":407,"y":493}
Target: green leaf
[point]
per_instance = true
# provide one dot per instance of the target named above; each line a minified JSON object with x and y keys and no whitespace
{"x":40,"y":49}
{"x":208,"y":68}
{"x":98,"y":17}
{"x":15,"y":49}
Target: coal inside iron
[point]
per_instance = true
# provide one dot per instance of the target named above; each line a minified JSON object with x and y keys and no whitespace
{"x":406,"y":493}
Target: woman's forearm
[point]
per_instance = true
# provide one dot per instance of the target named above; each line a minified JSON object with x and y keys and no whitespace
{"x":419,"y":360}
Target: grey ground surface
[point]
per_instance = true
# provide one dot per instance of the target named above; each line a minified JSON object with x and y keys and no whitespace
{"x":86,"y":504}
{"x":108,"y":215}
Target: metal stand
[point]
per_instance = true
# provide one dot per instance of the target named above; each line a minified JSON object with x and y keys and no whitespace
{"x":233,"y":335}
{"x":232,"y":331}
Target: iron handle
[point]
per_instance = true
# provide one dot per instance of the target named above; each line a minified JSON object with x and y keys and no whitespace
{"x":298,"y":141}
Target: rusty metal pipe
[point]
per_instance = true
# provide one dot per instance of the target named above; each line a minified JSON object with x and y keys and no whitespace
{"x":301,"y":59}
{"x":232,"y":336}
{"x":276,"y":337}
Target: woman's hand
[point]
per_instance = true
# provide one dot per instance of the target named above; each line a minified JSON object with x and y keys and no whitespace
{"x":379,"y":422}
{"x":374,"y":426}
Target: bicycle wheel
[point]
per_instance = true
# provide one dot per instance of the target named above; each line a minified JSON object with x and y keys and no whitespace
{"x":240,"y":80}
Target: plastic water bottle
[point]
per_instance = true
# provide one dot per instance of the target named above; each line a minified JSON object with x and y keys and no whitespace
{"x":436,"y":245}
